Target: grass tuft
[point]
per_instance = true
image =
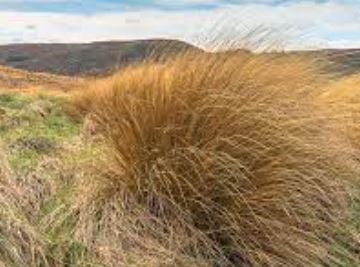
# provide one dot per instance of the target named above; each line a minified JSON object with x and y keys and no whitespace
{"x":231,"y":154}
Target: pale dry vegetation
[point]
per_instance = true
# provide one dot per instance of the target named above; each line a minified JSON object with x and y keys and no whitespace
{"x":343,"y":98}
{"x":202,"y":160}
{"x":30,"y":82}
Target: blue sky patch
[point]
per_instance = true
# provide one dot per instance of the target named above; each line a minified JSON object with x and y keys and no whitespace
{"x":97,"y":6}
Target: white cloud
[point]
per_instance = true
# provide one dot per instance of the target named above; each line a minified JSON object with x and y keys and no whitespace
{"x":313,"y":24}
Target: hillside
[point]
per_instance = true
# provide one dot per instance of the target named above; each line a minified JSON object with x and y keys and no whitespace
{"x":227,"y":159}
{"x":101,"y":58}
{"x":11,"y":78}
{"x":85,"y":59}
{"x":343,"y":61}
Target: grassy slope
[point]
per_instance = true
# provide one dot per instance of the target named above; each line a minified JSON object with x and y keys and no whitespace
{"x":35,"y":131}
{"x":16,"y":79}
{"x":32,"y":127}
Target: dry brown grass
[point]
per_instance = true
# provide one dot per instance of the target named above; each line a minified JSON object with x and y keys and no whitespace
{"x":22,"y":243}
{"x":343,"y":99}
{"x":219,"y":159}
{"x":33,"y":82}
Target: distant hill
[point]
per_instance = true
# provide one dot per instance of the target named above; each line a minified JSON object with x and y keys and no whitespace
{"x":86,"y":59}
{"x":342,"y":61}
{"x":101,"y":58}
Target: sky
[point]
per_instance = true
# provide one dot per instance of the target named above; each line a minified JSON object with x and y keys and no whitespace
{"x":287,"y":24}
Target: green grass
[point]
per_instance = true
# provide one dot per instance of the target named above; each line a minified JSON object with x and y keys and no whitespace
{"x":14,"y":101}
{"x":22,"y":124}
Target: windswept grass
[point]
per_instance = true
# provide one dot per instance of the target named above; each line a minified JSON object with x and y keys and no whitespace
{"x":233,"y":155}
{"x":343,"y":98}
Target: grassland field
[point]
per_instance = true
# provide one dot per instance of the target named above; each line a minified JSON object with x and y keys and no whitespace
{"x":61,"y":207}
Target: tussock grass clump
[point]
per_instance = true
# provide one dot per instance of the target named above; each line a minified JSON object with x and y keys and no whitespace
{"x":228,"y":158}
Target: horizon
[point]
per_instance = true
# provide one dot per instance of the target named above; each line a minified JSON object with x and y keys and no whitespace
{"x":280,"y":50}
{"x":292,"y":25}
